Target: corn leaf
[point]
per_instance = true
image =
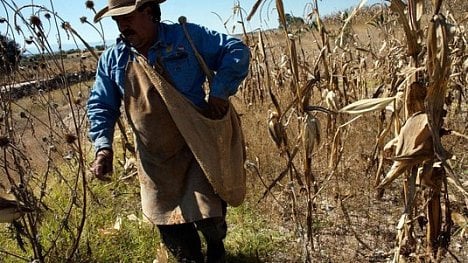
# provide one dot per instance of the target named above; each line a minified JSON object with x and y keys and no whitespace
{"x":367,"y":105}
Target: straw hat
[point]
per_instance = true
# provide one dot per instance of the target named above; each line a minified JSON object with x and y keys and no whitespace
{"x":121,"y":7}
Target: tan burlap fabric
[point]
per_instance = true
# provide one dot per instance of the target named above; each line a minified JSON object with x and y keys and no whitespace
{"x":174,"y":189}
{"x":218,"y":145}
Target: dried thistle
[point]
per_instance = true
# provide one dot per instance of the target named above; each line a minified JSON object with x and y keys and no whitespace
{"x":77,"y":101}
{"x":83,"y":19}
{"x":4,"y":141}
{"x":66,"y":25}
{"x":35,"y":21}
{"x":18,"y":29}
{"x":89,"y":4}
{"x":2,"y":20}
{"x":47,"y":16}
{"x":70,"y":138}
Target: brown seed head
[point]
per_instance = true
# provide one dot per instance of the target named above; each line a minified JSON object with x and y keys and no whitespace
{"x":70,"y":138}
{"x":66,"y":25}
{"x":4,"y":141}
{"x":89,"y":4}
{"x":77,"y":101}
{"x":35,"y":21}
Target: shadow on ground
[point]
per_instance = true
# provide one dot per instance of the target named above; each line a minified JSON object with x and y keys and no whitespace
{"x":241,"y":258}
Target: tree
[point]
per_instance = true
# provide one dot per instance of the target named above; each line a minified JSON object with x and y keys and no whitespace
{"x":9,"y":54}
{"x":292,"y":21}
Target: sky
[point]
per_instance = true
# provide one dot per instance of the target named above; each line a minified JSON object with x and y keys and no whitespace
{"x":210,"y":13}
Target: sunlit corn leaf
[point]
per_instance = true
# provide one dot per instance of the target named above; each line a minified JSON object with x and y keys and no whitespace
{"x":419,"y":10}
{"x":330,"y":99}
{"x":367,"y":105}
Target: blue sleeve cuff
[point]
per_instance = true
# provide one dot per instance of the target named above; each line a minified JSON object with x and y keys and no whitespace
{"x":102,"y":143}
{"x":219,"y":92}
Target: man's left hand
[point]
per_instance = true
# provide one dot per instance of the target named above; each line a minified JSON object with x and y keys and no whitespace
{"x":218,"y":107}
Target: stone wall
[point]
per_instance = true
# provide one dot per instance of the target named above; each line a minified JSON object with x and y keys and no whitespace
{"x":17,"y":91}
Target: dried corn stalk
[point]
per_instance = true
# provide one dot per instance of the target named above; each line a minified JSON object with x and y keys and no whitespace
{"x":419,"y":151}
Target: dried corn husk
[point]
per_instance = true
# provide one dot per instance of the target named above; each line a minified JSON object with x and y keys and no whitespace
{"x":425,"y":175}
{"x":414,"y":146}
{"x":276,"y":129}
{"x":367,"y":105}
{"x":311,"y":134}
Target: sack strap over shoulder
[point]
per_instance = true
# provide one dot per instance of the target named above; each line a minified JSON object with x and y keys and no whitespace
{"x":209,"y":73}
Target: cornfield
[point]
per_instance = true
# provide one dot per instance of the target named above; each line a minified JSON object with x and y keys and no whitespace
{"x":355,"y":128}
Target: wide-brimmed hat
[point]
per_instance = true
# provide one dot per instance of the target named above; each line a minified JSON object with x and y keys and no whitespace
{"x":121,"y":7}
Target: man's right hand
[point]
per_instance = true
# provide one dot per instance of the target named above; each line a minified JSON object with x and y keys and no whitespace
{"x":102,"y":165}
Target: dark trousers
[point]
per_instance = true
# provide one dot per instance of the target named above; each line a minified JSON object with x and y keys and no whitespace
{"x":184,"y":242}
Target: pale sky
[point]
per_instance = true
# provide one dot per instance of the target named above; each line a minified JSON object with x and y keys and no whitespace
{"x":203,"y":12}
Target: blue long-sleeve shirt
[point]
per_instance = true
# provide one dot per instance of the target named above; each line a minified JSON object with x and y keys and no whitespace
{"x":225,"y":55}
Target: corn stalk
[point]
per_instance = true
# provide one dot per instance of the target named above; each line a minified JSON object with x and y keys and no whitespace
{"x":424,"y":102}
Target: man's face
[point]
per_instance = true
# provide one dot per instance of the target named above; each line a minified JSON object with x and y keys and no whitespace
{"x":137,"y":28}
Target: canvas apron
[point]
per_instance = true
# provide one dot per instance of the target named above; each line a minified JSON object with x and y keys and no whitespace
{"x":217,"y":144}
{"x":174,"y":189}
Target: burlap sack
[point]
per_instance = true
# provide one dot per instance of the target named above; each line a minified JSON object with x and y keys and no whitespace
{"x":218,"y":145}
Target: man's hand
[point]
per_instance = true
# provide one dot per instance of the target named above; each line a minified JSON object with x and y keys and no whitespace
{"x":218,"y":107}
{"x":102,"y":165}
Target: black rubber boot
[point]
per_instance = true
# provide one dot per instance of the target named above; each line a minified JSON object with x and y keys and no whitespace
{"x":183,"y":241}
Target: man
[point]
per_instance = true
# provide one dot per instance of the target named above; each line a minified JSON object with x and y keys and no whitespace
{"x":176,"y":194}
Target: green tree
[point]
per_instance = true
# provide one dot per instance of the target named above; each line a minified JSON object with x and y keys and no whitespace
{"x":9,"y":54}
{"x":292,"y":21}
